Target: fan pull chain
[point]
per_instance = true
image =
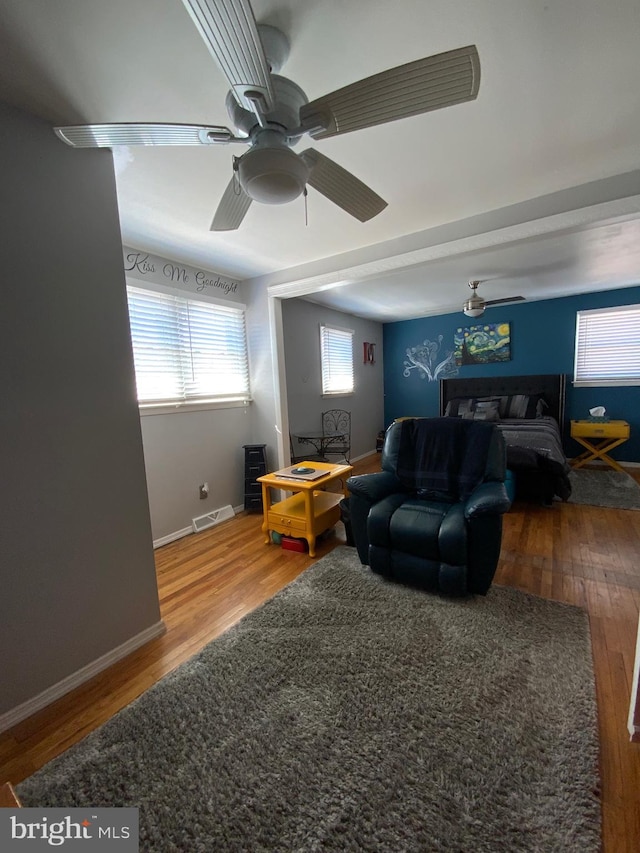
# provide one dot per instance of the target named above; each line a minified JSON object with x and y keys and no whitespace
{"x":306,"y":208}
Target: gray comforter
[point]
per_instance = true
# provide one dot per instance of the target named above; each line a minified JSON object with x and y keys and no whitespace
{"x":536,"y":444}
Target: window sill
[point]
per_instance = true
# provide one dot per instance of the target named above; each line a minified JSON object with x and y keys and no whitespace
{"x":605,"y":383}
{"x":147,"y":409}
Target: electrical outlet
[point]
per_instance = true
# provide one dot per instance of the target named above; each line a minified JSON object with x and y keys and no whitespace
{"x":204,"y":491}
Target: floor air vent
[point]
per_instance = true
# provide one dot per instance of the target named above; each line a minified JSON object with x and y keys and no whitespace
{"x":202,"y":522}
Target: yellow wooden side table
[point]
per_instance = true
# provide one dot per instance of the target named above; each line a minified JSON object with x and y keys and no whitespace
{"x":310,"y":510}
{"x":608,"y":434}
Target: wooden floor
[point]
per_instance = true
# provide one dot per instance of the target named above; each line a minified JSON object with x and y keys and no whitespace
{"x":583,"y":555}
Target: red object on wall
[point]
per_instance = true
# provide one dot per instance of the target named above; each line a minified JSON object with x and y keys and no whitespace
{"x":369,"y":353}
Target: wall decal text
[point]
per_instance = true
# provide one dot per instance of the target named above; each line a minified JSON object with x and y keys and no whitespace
{"x":163,"y":271}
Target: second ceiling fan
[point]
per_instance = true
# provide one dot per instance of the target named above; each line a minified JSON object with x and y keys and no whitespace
{"x":271,"y":113}
{"x":475,"y":305}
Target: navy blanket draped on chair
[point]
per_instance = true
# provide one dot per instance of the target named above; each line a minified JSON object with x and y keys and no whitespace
{"x":436,"y":455}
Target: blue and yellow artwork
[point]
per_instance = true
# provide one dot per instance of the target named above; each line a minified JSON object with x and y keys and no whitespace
{"x":483,"y":344}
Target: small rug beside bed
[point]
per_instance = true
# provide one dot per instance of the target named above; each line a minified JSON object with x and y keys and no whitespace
{"x":348,"y":713}
{"x":604,"y":487}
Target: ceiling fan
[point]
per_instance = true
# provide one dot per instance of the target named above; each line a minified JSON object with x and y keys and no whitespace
{"x":475,"y":304}
{"x":271,"y":113}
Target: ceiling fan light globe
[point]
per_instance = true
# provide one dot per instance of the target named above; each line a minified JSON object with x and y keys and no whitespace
{"x":473,"y":307}
{"x":272,"y":175}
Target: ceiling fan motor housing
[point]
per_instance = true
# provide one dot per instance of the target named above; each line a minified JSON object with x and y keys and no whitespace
{"x":475,"y":305}
{"x":270,"y":172}
{"x":285,"y":113}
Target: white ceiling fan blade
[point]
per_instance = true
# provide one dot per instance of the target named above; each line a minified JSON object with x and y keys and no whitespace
{"x":341,"y":187}
{"x":229,"y":30}
{"x":417,"y":87}
{"x":108,"y":135}
{"x":232,"y":209}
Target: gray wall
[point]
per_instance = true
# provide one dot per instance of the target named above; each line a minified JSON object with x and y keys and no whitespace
{"x":78,"y":577}
{"x":301,"y":326}
{"x":183,"y":450}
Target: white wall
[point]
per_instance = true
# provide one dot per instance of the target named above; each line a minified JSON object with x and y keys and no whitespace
{"x":78,"y":577}
{"x":301,"y":326}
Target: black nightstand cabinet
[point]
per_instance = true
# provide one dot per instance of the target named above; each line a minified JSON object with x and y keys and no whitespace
{"x":255,"y":465}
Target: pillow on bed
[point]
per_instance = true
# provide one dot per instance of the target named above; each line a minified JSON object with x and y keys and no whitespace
{"x":501,"y":401}
{"x":458,"y":407}
{"x":515,"y":406}
{"x":486,"y":410}
{"x":525,"y":406}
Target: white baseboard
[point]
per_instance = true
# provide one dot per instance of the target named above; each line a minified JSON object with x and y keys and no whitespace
{"x":363,"y":455}
{"x":171,"y":537}
{"x":185,"y":531}
{"x":37,"y":703}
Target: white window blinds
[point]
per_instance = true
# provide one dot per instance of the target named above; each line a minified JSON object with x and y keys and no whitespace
{"x":608,"y":346}
{"x":185,"y":350}
{"x":336,"y":354}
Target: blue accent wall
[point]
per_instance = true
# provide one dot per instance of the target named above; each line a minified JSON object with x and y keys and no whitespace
{"x":542,"y":341}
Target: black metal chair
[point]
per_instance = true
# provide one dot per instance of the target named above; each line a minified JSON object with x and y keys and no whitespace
{"x":338,"y":422}
{"x":305,"y":457}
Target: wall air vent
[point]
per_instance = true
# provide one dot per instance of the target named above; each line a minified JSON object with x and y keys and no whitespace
{"x":210,"y":519}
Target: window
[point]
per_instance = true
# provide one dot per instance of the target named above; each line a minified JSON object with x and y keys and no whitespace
{"x":608,"y":346}
{"x":187,"y":350}
{"x":336,"y":355}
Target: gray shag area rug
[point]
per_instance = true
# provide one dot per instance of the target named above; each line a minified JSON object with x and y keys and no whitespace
{"x":353,"y":714}
{"x":604,"y":487}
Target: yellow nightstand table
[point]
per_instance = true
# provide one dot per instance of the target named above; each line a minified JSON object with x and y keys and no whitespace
{"x":608,"y":434}
{"x":310,"y":510}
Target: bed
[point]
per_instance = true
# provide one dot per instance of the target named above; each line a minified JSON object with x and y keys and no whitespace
{"x":529,"y":411}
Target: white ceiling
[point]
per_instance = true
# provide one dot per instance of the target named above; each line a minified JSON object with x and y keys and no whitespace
{"x":558,"y":108}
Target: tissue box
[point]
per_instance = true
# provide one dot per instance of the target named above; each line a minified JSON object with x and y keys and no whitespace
{"x":598,"y":414}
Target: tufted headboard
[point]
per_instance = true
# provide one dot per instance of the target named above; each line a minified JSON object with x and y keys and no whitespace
{"x":551,"y":385}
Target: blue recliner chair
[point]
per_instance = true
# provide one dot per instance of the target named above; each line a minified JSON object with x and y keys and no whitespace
{"x":433,"y":516}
